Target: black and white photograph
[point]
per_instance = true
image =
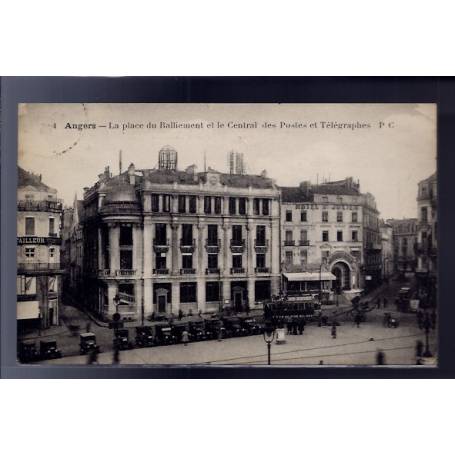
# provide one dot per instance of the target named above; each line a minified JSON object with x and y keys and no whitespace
{"x":227,"y":234}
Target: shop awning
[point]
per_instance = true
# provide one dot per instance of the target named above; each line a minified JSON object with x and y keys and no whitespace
{"x":28,"y":309}
{"x":310,"y":276}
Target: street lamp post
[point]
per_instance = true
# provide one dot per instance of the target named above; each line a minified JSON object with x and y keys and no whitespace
{"x":269,"y":335}
{"x":427,"y":324}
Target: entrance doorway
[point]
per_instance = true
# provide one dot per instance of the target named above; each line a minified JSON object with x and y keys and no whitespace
{"x":162,"y":297}
{"x":343,"y":276}
{"x":238,"y":295}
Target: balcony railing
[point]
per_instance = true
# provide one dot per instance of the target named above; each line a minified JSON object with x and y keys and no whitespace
{"x":39,"y":206}
{"x":26,"y":297}
{"x":161,"y":271}
{"x":38,"y":266}
{"x":187,"y":271}
{"x":125,"y":272}
{"x":120,"y":208}
{"x":124,"y":297}
{"x":212,"y":245}
{"x":187,"y":246}
{"x":102,"y":273}
{"x":237,"y":245}
{"x":235,"y":270}
{"x":53,"y":234}
{"x":161,"y":246}
{"x":212,"y":271}
{"x":262,"y":270}
{"x":261,"y":246}
{"x":304,"y":242}
{"x":289,"y":243}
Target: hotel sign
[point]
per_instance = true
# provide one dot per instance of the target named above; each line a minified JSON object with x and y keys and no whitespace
{"x":39,"y":240}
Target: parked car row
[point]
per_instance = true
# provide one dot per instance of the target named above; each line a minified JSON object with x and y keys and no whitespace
{"x":28,"y":351}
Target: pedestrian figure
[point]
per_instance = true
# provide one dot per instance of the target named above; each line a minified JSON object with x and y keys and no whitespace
{"x":289,"y":325}
{"x":321,"y":362}
{"x":334,"y":331}
{"x":419,"y":351}
{"x":380,"y":358}
{"x":87,"y":326}
{"x":116,"y":356}
{"x":357,"y":319}
{"x":294,"y":326}
{"x":185,"y":337}
{"x":92,"y":357}
{"x":180,"y":315}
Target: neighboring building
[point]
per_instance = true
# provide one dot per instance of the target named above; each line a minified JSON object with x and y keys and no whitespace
{"x":323,"y":230}
{"x":72,"y":253}
{"x":39,"y":216}
{"x":160,"y":240}
{"x":427,"y":228}
{"x":387,"y":249}
{"x":404,"y":245}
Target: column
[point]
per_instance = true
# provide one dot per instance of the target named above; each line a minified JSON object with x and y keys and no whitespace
{"x":175,"y":249}
{"x":175,"y":297}
{"x":147,"y":246}
{"x":225,"y":205}
{"x":114,"y":250}
{"x":200,"y":205}
{"x":201,"y":300}
{"x":225,"y":251}
{"x":250,"y":250}
{"x":226,"y":291}
{"x":251,"y":296}
{"x":101,"y":264}
{"x":138,"y":245}
{"x":200,"y":250}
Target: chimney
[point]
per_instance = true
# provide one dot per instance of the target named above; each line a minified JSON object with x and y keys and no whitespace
{"x":131,"y":176}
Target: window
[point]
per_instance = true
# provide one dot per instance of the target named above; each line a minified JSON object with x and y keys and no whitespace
{"x":212,"y":234}
{"x":207,"y":204}
{"x":237,"y":235}
{"x":212,"y":291}
{"x":303,"y":216}
{"x":354,"y":236}
{"x":166,"y":203}
{"x":155,"y":203}
{"x":187,"y":234}
{"x":160,"y":234}
{"x":260,"y":235}
{"x":51,"y":252}
{"x":237,"y":261}
{"x":232,"y":210}
{"x":192,"y":204}
{"x":187,"y":292}
{"x":160,"y":261}
{"x":126,"y":259}
{"x":242,"y":206}
{"x":288,"y":236}
{"x":256,"y":206}
{"x":30,"y":252}
{"x":325,"y":236}
{"x":126,"y":236}
{"x":260,"y":260}
{"x":265,"y":207}
{"x":218,"y":205}
{"x":339,"y":199}
{"x":51,"y":226}
{"x":187,"y":261}
{"x":339,"y":236}
{"x":29,"y":226}
{"x":339,"y":217}
{"x":354,"y":217}
{"x":303,"y":257}
{"x":212,"y":261}
{"x":303,"y":235}
{"x":288,"y":257}
{"x":424,"y":214}
{"x":182,"y":204}
{"x":262,"y":291}
{"x":325,"y":199}
{"x":325,"y":217}
{"x":288,"y":215}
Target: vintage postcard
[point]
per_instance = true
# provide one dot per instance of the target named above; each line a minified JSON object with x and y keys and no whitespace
{"x":227,"y":234}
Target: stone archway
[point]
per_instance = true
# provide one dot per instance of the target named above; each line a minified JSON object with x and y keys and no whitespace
{"x":342,"y":272}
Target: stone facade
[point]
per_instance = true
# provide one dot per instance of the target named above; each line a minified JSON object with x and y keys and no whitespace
{"x":404,"y":245}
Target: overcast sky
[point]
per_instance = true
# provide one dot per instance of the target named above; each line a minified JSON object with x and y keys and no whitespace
{"x":388,"y":161}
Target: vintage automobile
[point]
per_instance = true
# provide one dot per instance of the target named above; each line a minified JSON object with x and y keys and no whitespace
{"x":233,"y":327}
{"x":251,"y":325}
{"x":48,"y":350}
{"x":27,"y":352}
{"x":87,"y":343}
{"x":163,"y":334}
{"x":197,"y":330}
{"x":213,"y":327}
{"x":121,"y":340}
{"x":144,"y":336}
